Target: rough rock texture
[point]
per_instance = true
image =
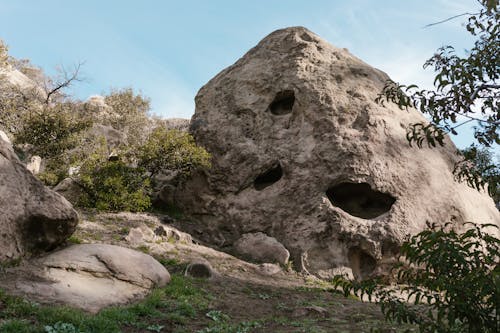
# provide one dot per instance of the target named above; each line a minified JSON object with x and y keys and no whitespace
{"x":261,"y":248}
{"x":89,"y":276}
{"x":302,"y":152}
{"x":69,"y":189}
{"x":201,"y":270}
{"x":32,"y":217}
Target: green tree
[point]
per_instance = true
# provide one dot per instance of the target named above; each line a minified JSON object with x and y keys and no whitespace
{"x":129,"y":113}
{"x":467,"y":87}
{"x":53,"y":130}
{"x":484,"y":168}
{"x":450,"y":282}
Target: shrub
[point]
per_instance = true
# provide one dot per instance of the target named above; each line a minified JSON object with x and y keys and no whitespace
{"x":172,"y":150}
{"x":451,"y":279}
{"x":52,"y":131}
{"x":114,"y":186}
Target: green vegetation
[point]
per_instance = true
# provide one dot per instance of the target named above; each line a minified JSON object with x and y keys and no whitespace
{"x":450,"y":279}
{"x":177,"y":303}
{"x":484,"y":168}
{"x":172,"y":150}
{"x":70,"y":134}
{"x":115,"y":186}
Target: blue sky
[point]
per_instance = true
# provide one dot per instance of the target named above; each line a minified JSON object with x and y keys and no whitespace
{"x":169,"y":49}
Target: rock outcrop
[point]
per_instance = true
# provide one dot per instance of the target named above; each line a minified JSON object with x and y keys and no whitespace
{"x":32,"y":217}
{"x":302,"y":152}
{"x":88,"y":276}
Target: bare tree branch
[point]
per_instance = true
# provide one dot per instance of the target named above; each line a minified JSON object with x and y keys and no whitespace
{"x":448,"y":19}
{"x":66,"y":80}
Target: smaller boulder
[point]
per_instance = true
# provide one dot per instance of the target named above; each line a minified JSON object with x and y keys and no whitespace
{"x":87,"y":276}
{"x":34,"y":165}
{"x":4,"y":137}
{"x":261,"y":248}
{"x":268,"y":269}
{"x":200,"y":269}
{"x":69,"y":189}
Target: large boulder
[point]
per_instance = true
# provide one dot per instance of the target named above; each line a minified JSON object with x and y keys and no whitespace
{"x":302,"y":152}
{"x":87,"y":276}
{"x":33,"y":218}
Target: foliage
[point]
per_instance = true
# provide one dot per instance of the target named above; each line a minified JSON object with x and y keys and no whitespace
{"x":451,"y":279}
{"x":172,"y":150}
{"x":467,"y":87}
{"x":60,"y":327}
{"x":3,"y":54}
{"x":114,"y":186}
{"x":128,"y":113}
{"x":483,"y":168}
{"x":52,"y":131}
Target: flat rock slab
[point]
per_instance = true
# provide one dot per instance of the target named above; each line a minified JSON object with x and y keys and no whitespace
{"x":87,"y":276}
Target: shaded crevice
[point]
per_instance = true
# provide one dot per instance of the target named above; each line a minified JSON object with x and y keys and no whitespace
{"x":362,"y":264}
{"x":268,"y":178}
{"x":360,"y":200}
{"x":282,"y":103}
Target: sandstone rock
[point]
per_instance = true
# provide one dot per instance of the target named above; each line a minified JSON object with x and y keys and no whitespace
{"x":302,"y":152}
{"x":33,"y":218}
{"x":88,"y":276}
{"x":4,"y":137}
{"x":180,"y":124}
{"x":69,"y":189}
{"x":268,"y":269}
{"x":140,"y":235}
{"x":310,"y":311}
{"x":261,"y":248}
{"x":200,"y":269}
{"x":34,"y":164}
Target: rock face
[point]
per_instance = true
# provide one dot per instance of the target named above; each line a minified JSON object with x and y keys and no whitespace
{"x":89,"y":276}
{"x":302,"y":152}
{"x":32,"y":217}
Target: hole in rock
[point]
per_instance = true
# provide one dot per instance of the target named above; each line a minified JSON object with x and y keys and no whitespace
{"x":268,"y":178}
{"x":282,"y":103}
{"x":358,"y":199}
{"x":362,"y":264}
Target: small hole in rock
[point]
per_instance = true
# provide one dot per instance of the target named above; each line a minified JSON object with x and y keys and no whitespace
{"x":282,"y":103}
{"x":268,"y":178}
{"x":359,"y":199}
{"x":362,"y":264}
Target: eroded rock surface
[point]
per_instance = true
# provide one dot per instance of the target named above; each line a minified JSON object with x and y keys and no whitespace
{"x":33,"y":218}
{"x":88,"y":276}
{"x":302,"y":152}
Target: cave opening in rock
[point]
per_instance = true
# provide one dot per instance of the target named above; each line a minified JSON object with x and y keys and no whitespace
{"x":359,"y":199}
{"x":362,"y":264}
{"x":282,"y":103}
{"x":268,"y":178}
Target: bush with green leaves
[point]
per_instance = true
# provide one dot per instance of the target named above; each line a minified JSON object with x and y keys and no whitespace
{"x":114,"y":186}
{"x":53,"y":130}
{"x":172,"y":150}
{"x":451,"y":282}
{"x":484,"y":168}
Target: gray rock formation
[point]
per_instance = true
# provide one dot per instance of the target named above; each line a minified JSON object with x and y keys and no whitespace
{"x":32,"y":217}
{"x":261,"y":248}
{"x":201,"y":269}
{"x":302,"y":152}
{"x":87,"y":276}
